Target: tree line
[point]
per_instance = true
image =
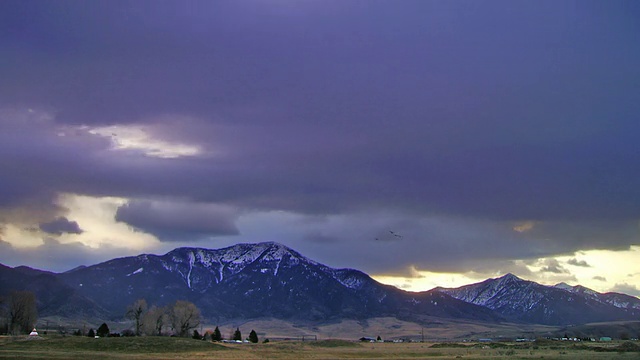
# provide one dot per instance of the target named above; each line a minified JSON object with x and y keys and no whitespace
{"x":18,"y":315}
{"x":179,"y":318}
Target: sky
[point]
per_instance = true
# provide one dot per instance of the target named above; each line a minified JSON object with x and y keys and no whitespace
{"x":426,"y":143}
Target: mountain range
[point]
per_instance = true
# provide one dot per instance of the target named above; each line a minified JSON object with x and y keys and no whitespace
{"x":250,"y":281}
{"x":530,"y":302}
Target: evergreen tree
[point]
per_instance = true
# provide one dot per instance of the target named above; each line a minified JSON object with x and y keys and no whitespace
{"x":217,"y":336}
{"x":237,"y":335}
{"x":91,"y":333}
{"x":103,"y":330}
{"x":253,"y":337}
{"x":196,"y":335}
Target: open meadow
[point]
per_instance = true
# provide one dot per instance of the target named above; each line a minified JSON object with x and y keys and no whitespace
{"x":56,"y":347}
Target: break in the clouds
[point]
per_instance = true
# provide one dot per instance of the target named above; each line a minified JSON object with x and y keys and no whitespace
{"x":483,"y":135}
{"x":133,"y":138}
{"x":60,"y":226}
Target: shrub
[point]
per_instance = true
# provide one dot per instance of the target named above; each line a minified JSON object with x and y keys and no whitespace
{"x":128,"y":333}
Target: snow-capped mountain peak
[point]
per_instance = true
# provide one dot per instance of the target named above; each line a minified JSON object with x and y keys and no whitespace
{"x":532,"y":302}
{"x":509,"y":278}
{"x":269,"y":279}
{"x":563,"y":286}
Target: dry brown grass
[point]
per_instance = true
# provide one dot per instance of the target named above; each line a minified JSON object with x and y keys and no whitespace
{"x":435,"y":329}
{"x":173,"y":348}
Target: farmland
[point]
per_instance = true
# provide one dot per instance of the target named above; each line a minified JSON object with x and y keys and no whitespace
{"x":58,"y":347}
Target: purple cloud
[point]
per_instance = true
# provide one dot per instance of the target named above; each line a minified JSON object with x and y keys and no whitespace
{"x":576,"y":262}
{"x":55,"y":256}
{"x":61,"y":226}
{"x":625,"y":288}
{"x":553,"y":266}
{"x":179,"y":221}
{"x":461,"y":117}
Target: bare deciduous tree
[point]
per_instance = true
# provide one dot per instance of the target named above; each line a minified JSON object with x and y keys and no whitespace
{"x":184,"y":316}
{"x":4,"y":318}
{"x":154,"y":320}
{"x":136,"y":311}
{"x":22,"y":311}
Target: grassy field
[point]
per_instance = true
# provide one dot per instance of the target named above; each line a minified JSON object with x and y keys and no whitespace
{"x":177,"y":348}
{"x":432,"y":328}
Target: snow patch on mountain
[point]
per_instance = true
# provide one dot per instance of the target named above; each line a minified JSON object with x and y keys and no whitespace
{"x":352,"y":282}
{"x":534,"y":302}
{"x":621,"y":301}
{"x":136,"y":272}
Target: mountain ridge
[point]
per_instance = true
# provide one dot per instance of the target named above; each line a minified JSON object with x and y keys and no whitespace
{"x":253,"y":280}
{"x":248,"y":281}
{"x":528,"y":301}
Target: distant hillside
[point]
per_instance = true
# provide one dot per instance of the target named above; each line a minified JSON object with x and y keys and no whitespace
{"x":527,"y":301}
{"x":270,"y":280}
{"x":53,"y":296}
{"x":257,"y":280}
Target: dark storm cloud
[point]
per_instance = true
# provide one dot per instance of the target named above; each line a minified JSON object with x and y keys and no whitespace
{"x":61,"y":226}
{"x":54,"y":256}
{"x":576,"y":262}
{"x":432,"y":243}
{"x":553,"y":266}
{"x":428,"y":105}
{"x":436,"y":243}
{"x":625,"y":288}
{"x":40,"y":159}
{"x":479,"y":113}
{"x":175,"y":221}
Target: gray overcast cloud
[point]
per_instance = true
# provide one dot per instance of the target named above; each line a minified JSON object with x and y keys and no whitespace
{"x":449,"y":122}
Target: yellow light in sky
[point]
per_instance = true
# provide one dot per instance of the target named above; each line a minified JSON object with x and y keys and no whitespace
{"x":426,"y":280}
{"x":21,"y":237}
{"x":607,"y":268}
{"x":134,"y":137}
{"x":96,"y":216}
{"x":599,"y":270}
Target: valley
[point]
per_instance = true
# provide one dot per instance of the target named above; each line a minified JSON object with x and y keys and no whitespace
{"x":282,"y":294}
{"x":180,"y":348}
